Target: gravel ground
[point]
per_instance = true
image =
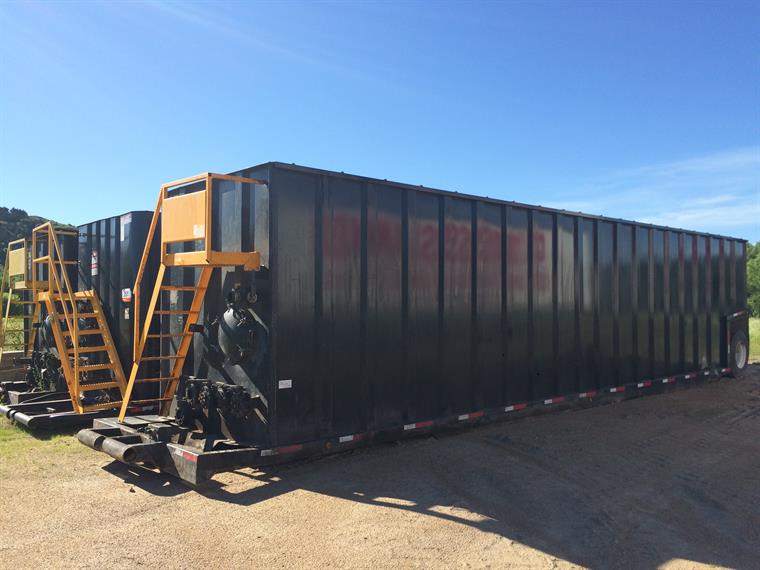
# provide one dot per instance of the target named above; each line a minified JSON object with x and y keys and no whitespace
{"x":668,"y":480}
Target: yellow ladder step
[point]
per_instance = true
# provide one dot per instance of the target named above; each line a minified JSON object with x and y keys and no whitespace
{"x":93,"y":367}
{"x":162,"y":379}
{"x":149,"y":358}
{"x":84,"y":349}
{"x":79,"y":315}
{"x":46,"y":259}
{"x":178,"y":288}
{"x":101,"y":406}
{"x":150,"y":401}
{"x":97,"y":386}
{"x":84,"y":331}
{"x":83,"y":296}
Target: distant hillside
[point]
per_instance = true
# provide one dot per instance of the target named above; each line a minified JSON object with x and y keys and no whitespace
{"x":16,"y":224}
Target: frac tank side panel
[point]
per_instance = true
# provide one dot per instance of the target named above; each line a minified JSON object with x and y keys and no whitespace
{"x":109,"y":256}
{"x":388,"y":304}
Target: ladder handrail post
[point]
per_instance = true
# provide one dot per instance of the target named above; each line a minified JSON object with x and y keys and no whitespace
{"x":207,"y":233}
{"x":53,"y":284}
{"x":136,"y":289}
{"x":2,"y":290}
{"x":4,"y":325}
{"x":55,"y":254}
{"x":35,"y":296}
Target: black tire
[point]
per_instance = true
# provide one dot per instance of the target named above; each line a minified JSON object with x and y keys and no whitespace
{"x":739,"y":356}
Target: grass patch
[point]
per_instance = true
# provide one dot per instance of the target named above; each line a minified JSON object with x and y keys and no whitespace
{"x":16,"y":443}
{"x":754,"y":339}
{"x":14,"y":334}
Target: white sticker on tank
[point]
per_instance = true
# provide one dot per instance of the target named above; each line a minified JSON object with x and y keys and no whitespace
{"x":199,"y":230}
{"x":126,"y":313}
{"x":94,"y":263}
{"x":285,"y":384}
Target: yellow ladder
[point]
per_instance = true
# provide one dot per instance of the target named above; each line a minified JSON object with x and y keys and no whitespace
{"x":15,"y":282}
{"x":85,"y":346}
{"x":184,"y":210}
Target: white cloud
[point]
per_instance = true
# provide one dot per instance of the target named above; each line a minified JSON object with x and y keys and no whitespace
{"x":717,"y":193}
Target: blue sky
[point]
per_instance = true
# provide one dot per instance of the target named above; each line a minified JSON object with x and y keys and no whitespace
{"x":648,"y":111}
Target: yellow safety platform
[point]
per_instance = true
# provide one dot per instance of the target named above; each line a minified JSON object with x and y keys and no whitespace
{"x":15,"y":282}
{"x":184,"y":211}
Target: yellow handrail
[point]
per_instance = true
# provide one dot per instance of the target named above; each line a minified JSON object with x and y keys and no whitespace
{"x":72,"y":322}
{"x":5,"y":277}
{"x":178,"y":227}
{"x":140,"y":271}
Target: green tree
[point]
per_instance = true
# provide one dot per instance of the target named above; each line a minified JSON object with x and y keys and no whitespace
{"x":753,"y":278}
{"x":15,"y":224}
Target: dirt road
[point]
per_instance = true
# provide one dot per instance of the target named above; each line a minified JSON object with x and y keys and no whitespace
{"x":670,"y":480}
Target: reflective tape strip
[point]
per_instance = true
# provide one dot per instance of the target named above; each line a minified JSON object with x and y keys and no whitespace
{"x":184,"y":454}
{"x":668,"y":380}
{"x":555,"y":400}
{"x":471,"y":416}
{"x":290,"y":448}
{"x":268,"y":452}
{"x":691,"y":376}
{"x":590,"y":394}
{"x":617,"y":389}
{"x":726,"y":371}
{"x":644,"y":384}
{"x":418,"y":425}
{"x":515,"y":407}
{"x":352,"y":437}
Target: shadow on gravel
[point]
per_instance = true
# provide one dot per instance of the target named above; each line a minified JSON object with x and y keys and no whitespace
{"x":629,"y":485}
{"x":157,"y":484}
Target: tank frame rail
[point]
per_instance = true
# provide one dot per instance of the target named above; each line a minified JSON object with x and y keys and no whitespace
{"x":16,"y":267}
{"x":47,"y":411}
{"x":156,"y":442}
{"x":184,"y":212}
